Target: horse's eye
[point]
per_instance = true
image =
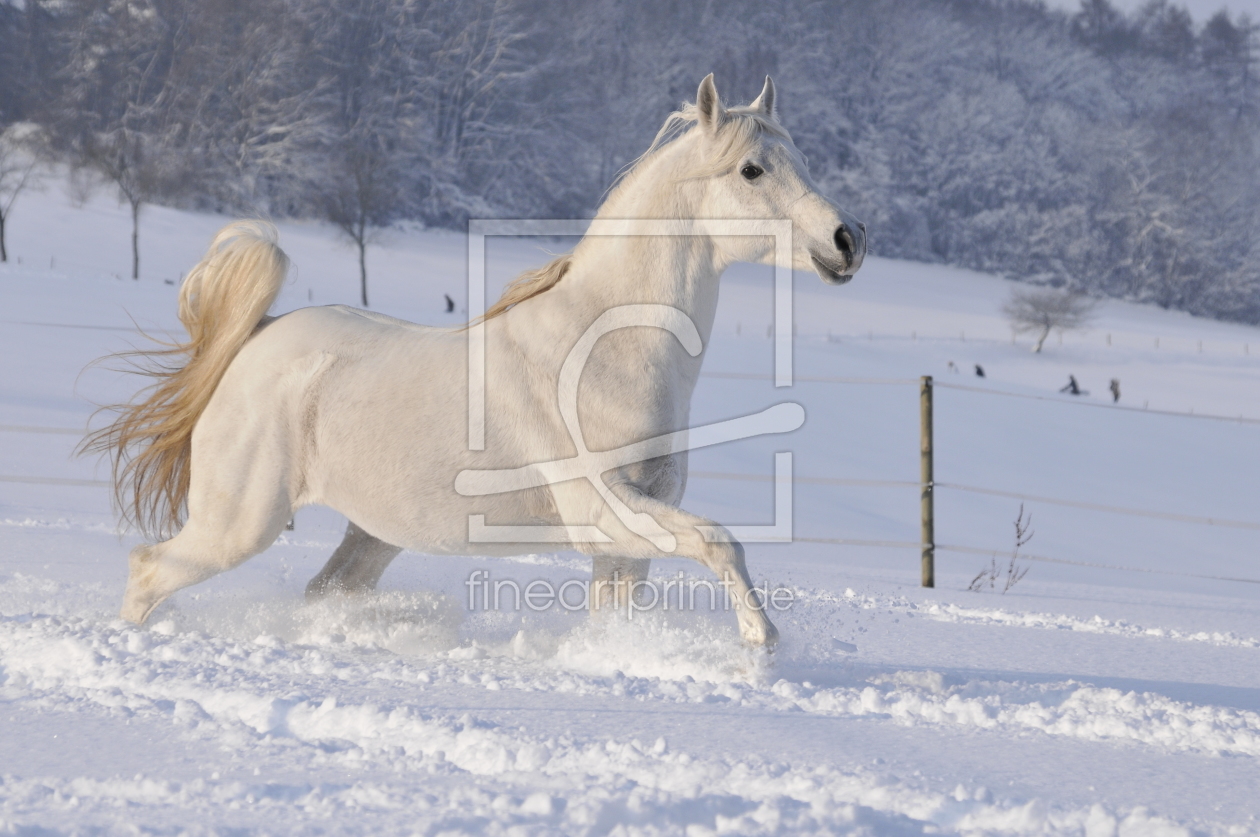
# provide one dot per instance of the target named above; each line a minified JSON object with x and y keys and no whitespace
{"x":751,"y":172}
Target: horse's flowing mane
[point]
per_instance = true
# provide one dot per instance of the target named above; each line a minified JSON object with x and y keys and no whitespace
{"x":529,"y":285}
{"x":738,"y":133}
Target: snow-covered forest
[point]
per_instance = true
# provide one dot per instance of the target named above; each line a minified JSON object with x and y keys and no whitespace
{"x":1115,"y":154}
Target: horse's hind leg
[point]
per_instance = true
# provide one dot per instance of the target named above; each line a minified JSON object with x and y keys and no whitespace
{"x":355,"y":567}
{"x":201,"y":549}
{"x":238,"y":503}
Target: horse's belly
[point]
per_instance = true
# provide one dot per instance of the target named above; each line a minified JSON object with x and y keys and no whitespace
{"x":427,"y":515}
{"x":388,"y":456}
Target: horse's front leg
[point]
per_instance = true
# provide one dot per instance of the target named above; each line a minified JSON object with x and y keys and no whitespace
{"x":615,"y":580}
{"x":722,"y":554}
{"x":355,"y":567}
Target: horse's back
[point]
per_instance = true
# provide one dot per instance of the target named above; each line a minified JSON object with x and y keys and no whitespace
{"x":383,"y":356}
{"x":328,"y":374}
{"x":336,"y":328}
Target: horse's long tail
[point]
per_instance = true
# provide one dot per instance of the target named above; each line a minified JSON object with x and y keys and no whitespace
{"x":221,"y":304}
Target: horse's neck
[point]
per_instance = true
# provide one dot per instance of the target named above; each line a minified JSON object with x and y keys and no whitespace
{"x":608,"y":271}
{"x":678,"y":270}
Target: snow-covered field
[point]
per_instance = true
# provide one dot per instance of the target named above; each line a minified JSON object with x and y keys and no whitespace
{"x":1114,"y":690}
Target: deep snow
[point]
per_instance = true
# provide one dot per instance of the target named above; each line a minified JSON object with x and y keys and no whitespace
{"x":1121,"y":698}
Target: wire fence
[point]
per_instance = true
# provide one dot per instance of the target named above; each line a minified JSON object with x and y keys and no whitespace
{"x":865,"y":483}
{"x":1122,"y":340}
{"x":1076,"y":401}
{"x":70,"y":325}
{"x":1054,"y":501}
{"x":1079,"y":504}
{"x":55,"y":481}
{"x":30,"y":428}
{"x":1054,"y":399}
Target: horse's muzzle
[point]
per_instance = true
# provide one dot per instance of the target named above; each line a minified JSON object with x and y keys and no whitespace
{"x":832,"y":275}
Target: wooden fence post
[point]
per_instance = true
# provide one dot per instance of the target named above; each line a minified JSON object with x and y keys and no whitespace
{"x":925,"y":469}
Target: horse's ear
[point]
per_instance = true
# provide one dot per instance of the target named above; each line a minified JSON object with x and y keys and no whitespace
{"x":708,"y":106}
{"x":765,"y":101}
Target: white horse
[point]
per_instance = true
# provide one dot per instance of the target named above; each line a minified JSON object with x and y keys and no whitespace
{"x":367,"y":414}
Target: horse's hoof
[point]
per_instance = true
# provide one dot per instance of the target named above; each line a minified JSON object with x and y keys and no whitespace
{"x":143,"y":592}
{"x":136,"y":610}
{"x":764,"y":636}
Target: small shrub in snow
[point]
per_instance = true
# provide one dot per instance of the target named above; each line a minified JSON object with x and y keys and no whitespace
{"x":1014,"y":572}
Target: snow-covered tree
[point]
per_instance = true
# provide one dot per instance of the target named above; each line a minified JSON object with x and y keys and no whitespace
{"x":1109,"y":151}
{"x":114,"y":116}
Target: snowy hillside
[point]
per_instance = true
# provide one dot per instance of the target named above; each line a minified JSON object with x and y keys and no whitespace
{"x":1114,"y":690}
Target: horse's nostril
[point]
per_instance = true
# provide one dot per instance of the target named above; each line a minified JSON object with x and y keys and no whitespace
{"x":844,"y":241}
{"x":862,"y":227}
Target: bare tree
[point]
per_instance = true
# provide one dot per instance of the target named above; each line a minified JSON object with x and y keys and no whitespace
{"x":356,"y":166}
{"x":1046,"y":309}
{"x":18,"y":170}
{"x":360,"y":193}
{"x":131,"y":162}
